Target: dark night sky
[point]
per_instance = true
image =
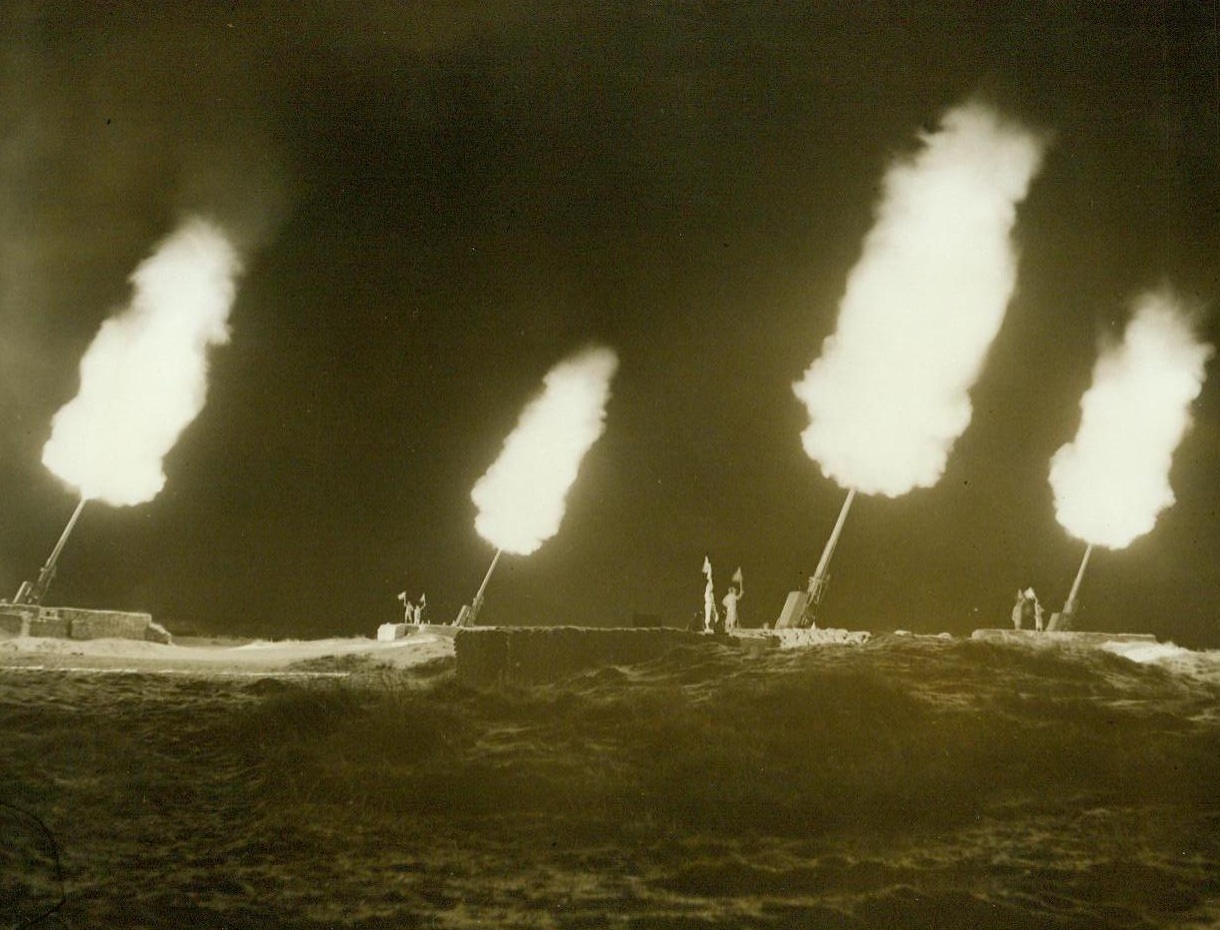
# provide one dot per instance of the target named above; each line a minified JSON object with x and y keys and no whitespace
{"x":439,"y":201}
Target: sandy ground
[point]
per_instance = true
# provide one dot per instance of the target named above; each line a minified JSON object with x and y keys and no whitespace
{"x":220,"y":656}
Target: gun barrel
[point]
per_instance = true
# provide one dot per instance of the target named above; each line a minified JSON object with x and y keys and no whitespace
{"x":1070,"y":605}
{"x":33,"y":594}
{"x":63,"y":537}
{"x":818,"y":582}
{"x":477,"y":604}
{"x":821,"y":576}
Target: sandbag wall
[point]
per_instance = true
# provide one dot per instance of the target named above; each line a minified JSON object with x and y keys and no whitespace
{"x":79,"y":623}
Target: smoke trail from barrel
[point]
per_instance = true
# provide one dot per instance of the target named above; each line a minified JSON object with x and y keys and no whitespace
{"x":889,"y":395}
{"x":144,"y":377}
{"x":1112,"y":481}
{"x":521,"y":498}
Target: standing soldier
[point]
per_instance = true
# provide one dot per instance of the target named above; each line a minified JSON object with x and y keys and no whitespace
{"x":1027,"y":612}
{"x":735,"y":593}
{"x":711,"y":616}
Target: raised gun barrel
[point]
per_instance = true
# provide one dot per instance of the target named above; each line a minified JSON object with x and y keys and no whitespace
{"x":821,"y":576}
{"x":468,"y":615}
{"x":34,"y":593}
{"x":1064,"y":619}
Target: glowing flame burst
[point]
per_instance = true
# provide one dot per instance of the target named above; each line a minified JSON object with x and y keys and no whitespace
{"x":889,"y":395}
{"x":144,"y":378}
{"x":1112,"y":481}
{"x":521,"y":498}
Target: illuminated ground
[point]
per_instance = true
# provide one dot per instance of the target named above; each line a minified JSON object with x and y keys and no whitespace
{"x":217,"y":655}
{"x":910,"y":783}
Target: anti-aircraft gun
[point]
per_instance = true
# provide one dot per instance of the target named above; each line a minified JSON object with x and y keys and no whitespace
{"x":27,"y":615}
{"x":31,"y":593}
{"x":800,"y":610}
{"x":1064,"y":620}
{"x":469,"y":612}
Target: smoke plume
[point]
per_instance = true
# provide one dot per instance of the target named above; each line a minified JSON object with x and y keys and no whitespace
{"x":521,"y":498}
{"x":144,"y":377}
{"x":1112,"y":481}
{"x":889,"y":395}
